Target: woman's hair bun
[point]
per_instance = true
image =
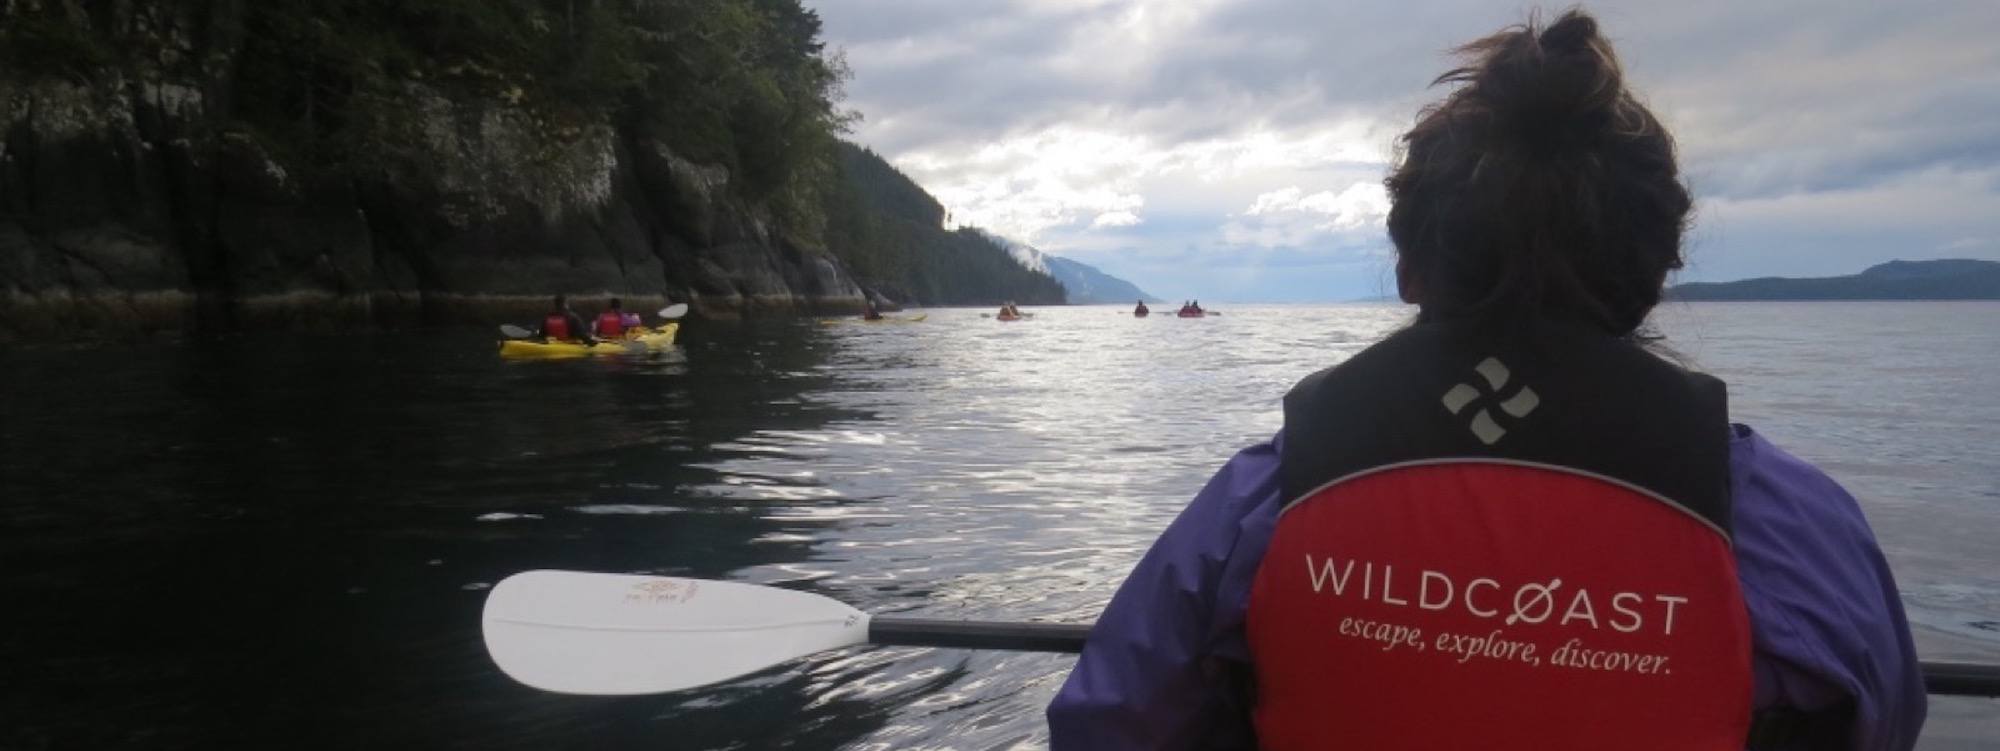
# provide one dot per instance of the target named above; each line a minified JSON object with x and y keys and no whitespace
{"x":1538,"y":187}
{"x":1574,"y":32}
{"x":1545,"y":87}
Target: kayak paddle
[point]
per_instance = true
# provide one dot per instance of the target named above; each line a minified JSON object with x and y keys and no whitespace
{"x":615,"y":634}
{"x":512,"y":331}
{"x":618,"y":634}
{"x":674,"y":311}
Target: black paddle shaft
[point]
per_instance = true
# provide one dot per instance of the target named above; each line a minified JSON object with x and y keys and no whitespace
{"x":1023,"y":637}
{"x":1942,"y":678}
{"x":1962,"y":679}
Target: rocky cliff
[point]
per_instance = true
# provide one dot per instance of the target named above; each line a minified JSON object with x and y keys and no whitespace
{"x":213,"y":165}
{"x":121,"y":211}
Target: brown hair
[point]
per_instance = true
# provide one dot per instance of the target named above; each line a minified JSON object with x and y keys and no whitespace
{"x":1538,"y":187}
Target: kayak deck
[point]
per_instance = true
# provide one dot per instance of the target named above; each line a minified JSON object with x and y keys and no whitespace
{"x":919,"y":318}
{"x":642,"y":341}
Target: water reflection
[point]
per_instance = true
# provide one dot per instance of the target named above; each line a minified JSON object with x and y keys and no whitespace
{"x":285,"y":540}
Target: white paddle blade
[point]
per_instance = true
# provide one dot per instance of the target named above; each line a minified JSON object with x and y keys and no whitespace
{"x":675,"y":310}
{"x":512,"y":331}
{"x":618,"y":634}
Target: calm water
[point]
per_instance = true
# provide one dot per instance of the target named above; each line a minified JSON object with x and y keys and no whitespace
{"x":284,"y":541}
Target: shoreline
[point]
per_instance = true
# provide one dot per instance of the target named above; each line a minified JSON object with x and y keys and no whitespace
{"x":61,"y":316}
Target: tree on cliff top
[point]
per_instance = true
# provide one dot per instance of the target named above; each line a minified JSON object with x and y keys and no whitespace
{"x":892,"y":233}
{"x":742,"y":83}
{"x":332,"y":90}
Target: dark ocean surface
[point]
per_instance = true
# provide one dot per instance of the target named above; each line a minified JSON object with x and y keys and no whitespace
{"x":284,"y":541}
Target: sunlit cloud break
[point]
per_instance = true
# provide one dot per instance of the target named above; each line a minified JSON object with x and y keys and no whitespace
{"x":1290,"y":217}
{"x":1024,"y":185}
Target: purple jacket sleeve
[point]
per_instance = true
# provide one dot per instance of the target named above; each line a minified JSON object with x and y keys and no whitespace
{"x":1827,"y":626}
{"x":1158,"y":670}
{"x":1825,"y":618}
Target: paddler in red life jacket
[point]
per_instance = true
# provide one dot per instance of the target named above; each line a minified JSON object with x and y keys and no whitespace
{"x":563,"y":324}
{"x":1511,"y":525}
{"x":611,"y":323}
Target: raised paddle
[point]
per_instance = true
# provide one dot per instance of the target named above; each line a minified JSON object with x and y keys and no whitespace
{"x":673,"y":311}
{"x":619,"y":634}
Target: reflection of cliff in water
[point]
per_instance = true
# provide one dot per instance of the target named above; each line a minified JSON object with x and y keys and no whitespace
{"x":277,"y":541}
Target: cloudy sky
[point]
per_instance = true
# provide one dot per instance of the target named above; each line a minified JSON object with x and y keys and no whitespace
{"x":1233,"y":150}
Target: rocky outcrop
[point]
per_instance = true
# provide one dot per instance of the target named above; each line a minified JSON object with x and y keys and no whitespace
{"x":135,"y":202}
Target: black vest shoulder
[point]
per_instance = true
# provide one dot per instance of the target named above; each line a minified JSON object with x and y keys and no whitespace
{"x":1548,"y":394}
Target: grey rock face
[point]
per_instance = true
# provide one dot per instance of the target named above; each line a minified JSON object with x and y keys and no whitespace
{"x":132,"y":207}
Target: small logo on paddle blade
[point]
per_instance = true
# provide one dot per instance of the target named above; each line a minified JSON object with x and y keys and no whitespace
{"x":662,"y":591}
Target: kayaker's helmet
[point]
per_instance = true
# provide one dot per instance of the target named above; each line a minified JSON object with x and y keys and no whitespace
{"x":1545,"y":107}
{"x":562,"y":301}
{"x":614,"y":303}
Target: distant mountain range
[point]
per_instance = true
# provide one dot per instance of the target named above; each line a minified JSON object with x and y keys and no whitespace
{"x":1945,"y":279}
{"x":1084,"y":284}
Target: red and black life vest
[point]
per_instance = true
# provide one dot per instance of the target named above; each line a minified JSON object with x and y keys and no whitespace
{"x":1502,"y":539}
{"x":556,"y":326}
{"x":610,"y":324}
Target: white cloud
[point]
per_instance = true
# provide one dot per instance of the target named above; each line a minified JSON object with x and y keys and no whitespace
{"x":1115,"y":219}
{"x":1359,"y":206}
{"x":1024,"y":185}
{"x":1292,"y":218}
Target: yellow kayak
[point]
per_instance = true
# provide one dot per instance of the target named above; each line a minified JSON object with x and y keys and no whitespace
{"x":919,"y":318}
{"x":639,"y":341}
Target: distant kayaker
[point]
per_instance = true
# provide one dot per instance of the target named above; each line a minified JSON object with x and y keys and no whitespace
{"x":1141,"y":310}
{"x":611,"y":323}
{"x":1511,"y":524}
{"x":868,"y":310}
{"x":563,"y":324}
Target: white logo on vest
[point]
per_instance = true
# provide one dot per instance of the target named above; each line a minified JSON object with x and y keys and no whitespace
{"x":1483,"y":426}
{"x":1530,"y":604}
